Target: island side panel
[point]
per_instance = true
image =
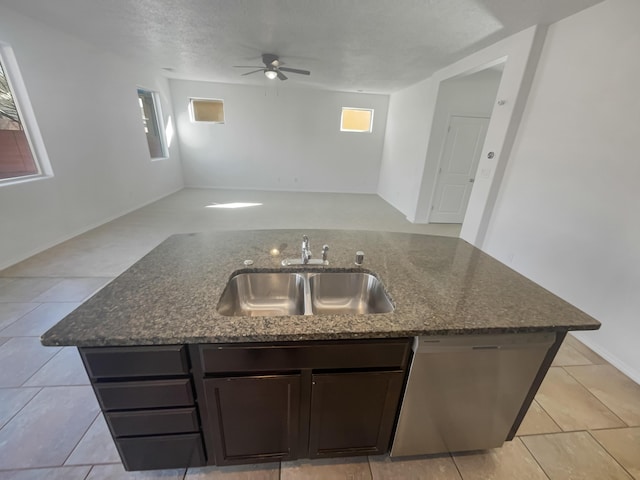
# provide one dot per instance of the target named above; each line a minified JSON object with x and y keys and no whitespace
{"x":535,"y":386}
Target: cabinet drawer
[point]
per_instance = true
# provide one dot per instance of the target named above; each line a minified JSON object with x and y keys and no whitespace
{"x":153,"y":422}
{"x":135,"y":361}
{"x":292,"y":356}
{"x":168,"y":451}
{"x":145,"y":394}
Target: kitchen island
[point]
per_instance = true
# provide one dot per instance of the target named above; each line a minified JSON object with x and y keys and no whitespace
{"x":181,"y":384}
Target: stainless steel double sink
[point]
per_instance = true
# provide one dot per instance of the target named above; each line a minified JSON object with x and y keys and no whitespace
{"x":304,"y":293}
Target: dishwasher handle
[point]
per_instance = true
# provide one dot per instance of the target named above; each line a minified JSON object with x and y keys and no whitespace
{"x":452,"y":343}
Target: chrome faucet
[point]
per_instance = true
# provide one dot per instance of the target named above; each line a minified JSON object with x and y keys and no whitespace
{"x":306,"y":251}
{"x":305,"y":257}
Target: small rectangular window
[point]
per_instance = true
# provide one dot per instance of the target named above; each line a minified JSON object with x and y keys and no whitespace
{"x":149,"y":103}
{"x":206,"y":110}
{"x":356,"y":120}
{"x":16,"y":157}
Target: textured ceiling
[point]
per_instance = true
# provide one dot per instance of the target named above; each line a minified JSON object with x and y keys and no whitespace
{"x":349,"y":45}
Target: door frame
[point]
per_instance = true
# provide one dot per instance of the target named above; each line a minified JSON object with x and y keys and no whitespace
{"x":520,"y":53}
{"x":441,"y":153}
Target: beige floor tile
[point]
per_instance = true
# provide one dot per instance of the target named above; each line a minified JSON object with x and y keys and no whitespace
{"x":95,"y":447}
{"x":263,"y":471}
{"x":416,"y":468}
{"x":65,"y":368}
{"x":571,"y":405}
{"x":537,"y":421}
{"x":584,"y":350}
{"x":58,"y":473}
{"x":20,"y":358}
{"x":511,"y":461}
{"x":73,"y":289}
{"x":39,"y":320}
{"x":573,"y":455}
{"x":12,"y":400}
{"x":617,"y":391}
{"x":10,"y":312}
{"x":117,"y":472}
{"x":624,"y":445}
{"x":24,"y":289}
{"x":48,"y":428}
{"x":102,"y":252}
{"x":567,"y":355}
{"x":351,"y":468}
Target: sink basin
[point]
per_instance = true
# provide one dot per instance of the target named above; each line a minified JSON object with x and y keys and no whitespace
{"x":304,"y":293}
{"x":263,"y":294}
{"x":345,"y":293}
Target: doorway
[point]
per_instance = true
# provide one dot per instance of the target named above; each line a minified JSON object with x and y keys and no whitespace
{"x":463,"y":110}
{"x":458,"y":164}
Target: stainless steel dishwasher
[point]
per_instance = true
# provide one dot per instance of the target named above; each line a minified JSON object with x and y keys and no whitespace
{"x":464,"y":392}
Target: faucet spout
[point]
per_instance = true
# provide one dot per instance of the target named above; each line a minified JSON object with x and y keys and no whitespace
{"x":306,"y":251}
{"x":305,"y":256}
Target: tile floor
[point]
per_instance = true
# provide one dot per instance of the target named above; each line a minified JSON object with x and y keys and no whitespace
{"x":584,"y":423}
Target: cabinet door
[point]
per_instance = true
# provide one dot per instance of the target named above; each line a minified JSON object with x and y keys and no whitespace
{"x":254,"y":418}
{"x":353,"y":413}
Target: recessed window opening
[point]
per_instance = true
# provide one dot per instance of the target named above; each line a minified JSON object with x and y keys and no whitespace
{"x":18,"y":159}
{"x":207,"y":110}
{"x":149,"y":103}
{"x":356,"y":120}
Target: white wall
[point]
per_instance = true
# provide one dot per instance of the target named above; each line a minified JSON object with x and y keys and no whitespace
{"x":279,"y":139}
{"x":405,"y":145}
{"x":567,"y":215}
{"x":85,"y":103}
{"x":472,"y":95}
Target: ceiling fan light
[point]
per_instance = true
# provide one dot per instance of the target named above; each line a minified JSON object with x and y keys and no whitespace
{"x":270,"y":74}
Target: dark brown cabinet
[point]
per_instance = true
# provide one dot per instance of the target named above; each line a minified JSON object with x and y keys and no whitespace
{"x":353,"y":413}
{"x":147,"y":397}
{"x":282,"y":401}
{"x":255,"y":418}
{"x":223,"y":404}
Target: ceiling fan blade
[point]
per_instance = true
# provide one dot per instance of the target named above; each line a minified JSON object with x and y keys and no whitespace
{"x":255,"y":71}
{"x":247,"y":66}
{"x":295,"y":70}
{"x":281,"y":75}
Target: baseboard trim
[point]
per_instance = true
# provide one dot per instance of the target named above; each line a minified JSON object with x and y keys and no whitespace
{"x":624,"y":367}
{"x":284,"y":190}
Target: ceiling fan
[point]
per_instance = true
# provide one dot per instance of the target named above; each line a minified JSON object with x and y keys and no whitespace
{"x":272,"y":68}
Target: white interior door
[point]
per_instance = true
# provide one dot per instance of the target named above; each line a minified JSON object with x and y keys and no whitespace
{"x":458,"y":164}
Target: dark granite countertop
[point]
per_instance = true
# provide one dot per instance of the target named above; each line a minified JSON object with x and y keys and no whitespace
{"x":439,"y":285}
